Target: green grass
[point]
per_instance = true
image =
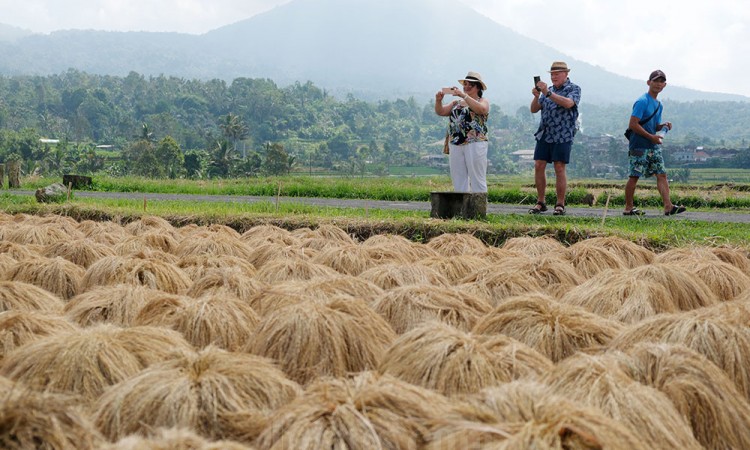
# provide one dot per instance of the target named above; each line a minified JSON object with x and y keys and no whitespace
{"x":416,"y":225}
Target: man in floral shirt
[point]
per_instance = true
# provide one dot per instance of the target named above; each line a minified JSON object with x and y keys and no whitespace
{"x":554,"y":139}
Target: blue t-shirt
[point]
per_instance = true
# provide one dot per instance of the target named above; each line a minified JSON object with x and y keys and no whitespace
{"x":642,"y":108}
{"x":558,"y":123}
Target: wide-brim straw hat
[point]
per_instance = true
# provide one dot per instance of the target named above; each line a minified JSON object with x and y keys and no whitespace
{"x":475,"y":77}
{"x":559,"y":66}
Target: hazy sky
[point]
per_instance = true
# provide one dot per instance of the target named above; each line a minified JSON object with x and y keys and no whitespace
{"x":699,"y":44}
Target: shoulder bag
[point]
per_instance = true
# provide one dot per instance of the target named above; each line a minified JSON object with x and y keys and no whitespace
{"x":629,"y":133}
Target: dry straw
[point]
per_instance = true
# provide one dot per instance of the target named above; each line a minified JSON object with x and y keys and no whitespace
{"x":268,"y":252}
{"x":116,"y":305}
{"x":496,"y":284}
{"x":457,"y":244}
{"x":388,"y":248}
{"x":36,"y":420}
{"x":348,"y":259}
{"x":456,"y":268}
{"x":195,"y":390}
{"x":5,"y":263}
{"x":151,"y":273}
{"x":19,"y":296}
{"x":685,"y":256}
{"x":314,"y":338}
{"x":21,"y":327}
{"x":212,"y":319}
{"x":590,"y":259}
{"x":737,"y":257}
{"x":534,"y":246}
{"x":231,"y":280}
{"x":193,"y":231}
{"x":82,"y":252}
{"x":554,"y":274}
{"x":87,"y":361}
{"x":19,"y":252}
{"x":340,"y":285}
{"x":148,"y":224}
{"x":293,"y":269}
{"x":173,"y":438}
{"x":554,"y":329}
{"x":150,"y":240}
{"x":622,"y":295}
{"x":599,"y":382}
{"x":408,"y":307}
{"x":392,"y":275}
{"x":632,"y":254}
{"x":723,"y":279}
{"x":525,"y":415}
{"x":724,"y":344}
{"x":688,"y":291}
{"x":452,"y":362}
{"x":196,"y":267}
{"x":269,"y":234}
{"x":38,"y":234}
{"x":216,"y":245}
{"x":56,"y":275}
{"x":700,"y":391}
{"x":369,"y":411}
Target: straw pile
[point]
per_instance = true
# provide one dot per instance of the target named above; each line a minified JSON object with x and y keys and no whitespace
{"x":152,"y":273}
{"x":221,"y":320}
{"x":88,"y":360}
{"x":600,"y":383}
{"x":268,"y":252}
{"x":116,"y":305}
{"x":527,"y":415}
{"x":232,"y":281}
{"x":623,"y":296}
{"x":389,"y":248}
{"x":496,"y":284}
{"x":19,"y":296}
{"x":196,"y":267}
{"x":197,"y":390}
{"x":207,"y":231}
{"x":216,"y":245}
{"x":149,"y":240}
{"x":449,"y":361}
{"x":688,"y":291}
{"x":723,"y":279}
{"x":554,"y":274}
{"x":457,"y":244}
{"x":685,"y":256}
{"x":21,"y":327}
{"x":724,"y":344}
{"x":38,"y":234}
{"x":554,"y":329}
{"x":370,"y":411}
{"x":700,"y":391}
{"x":349,"y":259}
{"x":737,"y":257}
{"x":590,"y":259}
{"x":535,"y":246}
{"x":314,"y":338}
{"x":56,"y":275}
{"x":340,"y":285}
{"x":392,"y":275}
{"x":36,"y":420}
{"x":173,"y":438}
{"x":148,"y":224}
{"x":268,"y":233}
{"x":632,"y":254}
{"x":82,"y":252}
{"x":19,"y":252}
{"x":292,"y":269}
{"x":407,"y":307}
{"x":456,"y":268}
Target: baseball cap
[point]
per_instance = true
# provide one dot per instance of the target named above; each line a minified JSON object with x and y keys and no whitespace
{"x":657,"y":74}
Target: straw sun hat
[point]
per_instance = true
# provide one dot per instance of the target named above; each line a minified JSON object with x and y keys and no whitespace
{"x":475,"y":77}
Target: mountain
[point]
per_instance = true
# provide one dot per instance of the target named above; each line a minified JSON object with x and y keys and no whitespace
{"x":9,"y":33}
{"x":373,"y":49}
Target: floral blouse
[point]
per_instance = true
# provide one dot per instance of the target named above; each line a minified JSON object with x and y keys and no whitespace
{"x":466,"y":126}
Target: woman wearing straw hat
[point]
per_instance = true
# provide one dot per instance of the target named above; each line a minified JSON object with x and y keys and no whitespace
{"x":467,"y":132}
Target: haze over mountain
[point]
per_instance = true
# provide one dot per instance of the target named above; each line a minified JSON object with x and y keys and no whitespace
{"x":370,"y":48}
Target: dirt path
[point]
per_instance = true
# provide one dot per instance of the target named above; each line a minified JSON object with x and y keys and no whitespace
{"x":492,"y":208}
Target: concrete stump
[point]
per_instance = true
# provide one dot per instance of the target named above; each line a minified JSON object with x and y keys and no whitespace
{"x":463,"y":205}
{"x":77,"y":181}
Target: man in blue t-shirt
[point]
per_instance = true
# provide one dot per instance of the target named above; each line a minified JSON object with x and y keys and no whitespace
{"x":644,"y":151}
{"x":554,"y":139}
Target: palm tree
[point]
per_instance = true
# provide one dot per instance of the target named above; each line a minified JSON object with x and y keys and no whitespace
{"x":222,"y":159}
{"x":234,"y":129}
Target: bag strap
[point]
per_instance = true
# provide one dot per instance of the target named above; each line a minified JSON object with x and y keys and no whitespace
{"x":641,"y":122}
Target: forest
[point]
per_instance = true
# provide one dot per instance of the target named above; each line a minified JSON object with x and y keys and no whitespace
{"x":174,"y":127}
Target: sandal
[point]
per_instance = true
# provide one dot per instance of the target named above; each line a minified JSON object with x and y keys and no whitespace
{"x":559,"y":210}
{"x":676,"y":209}
{"x":542,"y":208}
{"x":633,"y":212}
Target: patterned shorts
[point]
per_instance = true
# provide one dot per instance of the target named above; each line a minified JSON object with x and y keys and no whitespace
{"x":650,"y":162}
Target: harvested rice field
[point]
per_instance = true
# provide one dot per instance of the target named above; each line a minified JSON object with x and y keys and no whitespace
{"x":143,"y":335}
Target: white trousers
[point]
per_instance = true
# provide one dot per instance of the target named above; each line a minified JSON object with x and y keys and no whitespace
{"x":468,"y":165}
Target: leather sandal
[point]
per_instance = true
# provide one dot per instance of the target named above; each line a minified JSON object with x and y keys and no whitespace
{"x":542,"y":208}
{"x":559,"y":210}
{"x":633,"y":212}
{"x":676,"y":209}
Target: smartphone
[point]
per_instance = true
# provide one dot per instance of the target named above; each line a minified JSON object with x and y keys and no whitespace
{"x":537,"y":79}
{"x":448,"y":91}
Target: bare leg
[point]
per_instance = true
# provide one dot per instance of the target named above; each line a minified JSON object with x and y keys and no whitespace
{"x":540,"y":179}
{"x":630,"y":193}
{"x":561,"y":182}
{"x":662,"y":185}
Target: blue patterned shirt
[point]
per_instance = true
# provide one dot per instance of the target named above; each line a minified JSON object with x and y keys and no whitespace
{"x":558,"y":123}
